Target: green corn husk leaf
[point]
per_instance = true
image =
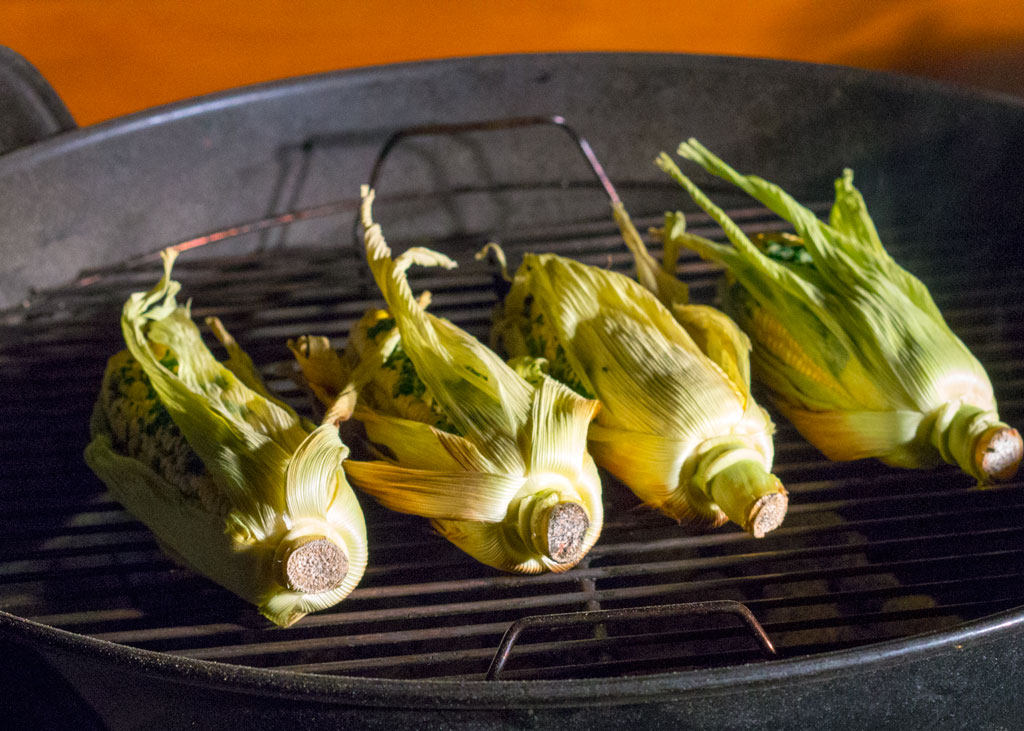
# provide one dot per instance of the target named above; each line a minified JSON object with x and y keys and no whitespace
{"x":677,"y":426}
{"x":851,"y":346}
{"x":291,"y":537}
{"x":497,"y":464}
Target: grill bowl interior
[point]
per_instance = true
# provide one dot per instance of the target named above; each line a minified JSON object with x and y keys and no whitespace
{"x":868,"y":556}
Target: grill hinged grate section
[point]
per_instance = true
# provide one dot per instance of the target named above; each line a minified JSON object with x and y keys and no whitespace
{"x":867,"y":552}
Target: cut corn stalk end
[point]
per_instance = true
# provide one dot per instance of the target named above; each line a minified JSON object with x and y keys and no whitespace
{"x":751,"y":497}
{"x":312,"y":564}
{"x":566,"y":525}
{"x":767,"y":514}
{"x":998,"y":453}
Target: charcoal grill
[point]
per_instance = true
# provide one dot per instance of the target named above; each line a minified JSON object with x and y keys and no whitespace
{"x":891,"y":597}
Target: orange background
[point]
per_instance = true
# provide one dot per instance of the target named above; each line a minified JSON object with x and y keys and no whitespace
{"x":110,"y":57}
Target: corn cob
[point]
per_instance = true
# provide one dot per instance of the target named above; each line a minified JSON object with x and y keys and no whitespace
{"x":233,"y":483}
{"x":141,"y":428}
{"x":850,"y":345}
{"x":498,"y":465}
{"x":677,"y":423}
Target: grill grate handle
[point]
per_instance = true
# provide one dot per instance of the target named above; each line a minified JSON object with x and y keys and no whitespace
{"x":490,"y":125}
{"x":574,"y":619}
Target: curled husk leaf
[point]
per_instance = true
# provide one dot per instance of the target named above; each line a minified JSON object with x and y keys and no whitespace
{"x":256,"y":497}
{"x":499,"y":465}
{"x":851,"y":346}
{"x":678,"y":424}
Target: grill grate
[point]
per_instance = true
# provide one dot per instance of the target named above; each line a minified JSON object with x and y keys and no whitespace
{"x":867,"y":552}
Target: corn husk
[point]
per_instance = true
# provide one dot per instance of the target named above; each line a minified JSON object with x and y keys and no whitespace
{"x":678,"y":424}
{"x":266,"y":512}
{"x":851,"y":346}
{"x":498,"y":465}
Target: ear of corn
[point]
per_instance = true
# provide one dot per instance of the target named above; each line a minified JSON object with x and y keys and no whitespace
{"x":499,"y":465}
{"x":851,"y":346}
{"x":676,"y":425}
{"x":232,"y":482}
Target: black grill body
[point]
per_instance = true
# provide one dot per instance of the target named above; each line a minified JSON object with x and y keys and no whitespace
{"x":893,"y":597}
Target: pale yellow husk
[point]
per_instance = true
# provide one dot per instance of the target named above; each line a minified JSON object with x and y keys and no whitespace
{"x":851,"y":346}
{"x":464,"y":441}
{"x":678,"y":424}
{"x":278,"y":478}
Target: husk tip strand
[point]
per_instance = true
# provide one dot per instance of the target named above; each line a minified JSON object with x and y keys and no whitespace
{"x":665,"y":162}
{"x":691,"y":149}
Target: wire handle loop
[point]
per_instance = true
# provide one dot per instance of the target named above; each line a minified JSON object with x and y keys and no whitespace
{"x":489,"y":125}
{"x":574,"y":619}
